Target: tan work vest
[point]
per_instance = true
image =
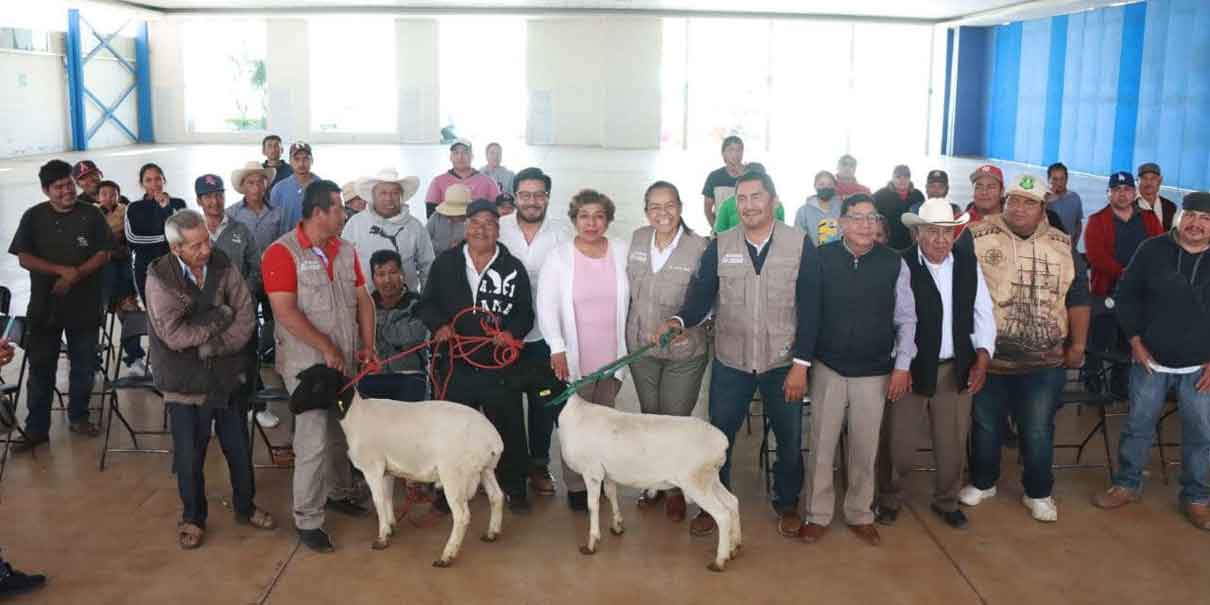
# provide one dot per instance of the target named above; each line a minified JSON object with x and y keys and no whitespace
{"x":329,"y":304}
{"x":757,"y":319}
{"x":655,"y":297}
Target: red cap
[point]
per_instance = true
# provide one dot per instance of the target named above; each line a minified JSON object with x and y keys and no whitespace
{"x":988,"y":170}
{"x":84,"y":168}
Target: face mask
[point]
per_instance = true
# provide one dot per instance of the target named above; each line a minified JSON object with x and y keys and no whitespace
{"x":826,"y":193}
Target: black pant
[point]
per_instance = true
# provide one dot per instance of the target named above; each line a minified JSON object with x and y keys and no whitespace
{"x":190,"y":439}
{"x":399,"y":387}
{"x":488,"y":391}
{"x":42,"y":345}
{"x":538,"y":382}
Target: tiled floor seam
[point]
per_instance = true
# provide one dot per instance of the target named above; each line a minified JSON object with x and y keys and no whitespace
{"x":941,"y":547}
{"x":281,"y":570}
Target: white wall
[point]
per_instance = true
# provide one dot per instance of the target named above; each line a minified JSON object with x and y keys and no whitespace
{"x":594,"y":81}
{"x":34,"y":104}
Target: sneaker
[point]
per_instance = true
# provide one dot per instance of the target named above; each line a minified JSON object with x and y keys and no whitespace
{"x":14,"y":582}
{"x":137,"y":368}
{"x":84,"y":427}
{"x":972,"y":496}
{"x":1198,"y":514}
{"x":347,"y":505}
{"x":316,"y":539}
{"x":886,"y":516}
{"x":1115,"y":497}
{"x":578,"y":501}
{"x":267,"y":419}
{"x":1042,"y":509}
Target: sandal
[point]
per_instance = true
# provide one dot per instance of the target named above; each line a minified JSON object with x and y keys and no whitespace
{"x":258,"y":519}
{"x":189,"y":535}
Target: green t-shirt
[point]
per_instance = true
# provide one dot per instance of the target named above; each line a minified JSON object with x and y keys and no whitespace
{"x":726,"y":215}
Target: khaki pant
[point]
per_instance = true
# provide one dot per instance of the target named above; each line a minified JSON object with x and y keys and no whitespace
{"x":949,"y":415}
{"x":321,"y":463}
{"x":666,"y":386}
{"x":601,"y":392}
{"x":835,"y":402}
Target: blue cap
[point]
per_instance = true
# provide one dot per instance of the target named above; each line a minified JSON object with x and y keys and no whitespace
{"x":208,"y":183}
{"x":1121,"y":179}
{"x":482,"y":205}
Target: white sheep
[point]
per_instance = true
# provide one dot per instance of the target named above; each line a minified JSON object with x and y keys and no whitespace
{"x":430,"y":441}
{"x":648,"y":451}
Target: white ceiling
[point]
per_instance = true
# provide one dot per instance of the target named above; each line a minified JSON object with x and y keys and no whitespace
{"x":930,"y":10}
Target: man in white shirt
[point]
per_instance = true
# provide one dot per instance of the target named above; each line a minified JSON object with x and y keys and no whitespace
{"x":955,"y":341}
{"x":530,"y":234}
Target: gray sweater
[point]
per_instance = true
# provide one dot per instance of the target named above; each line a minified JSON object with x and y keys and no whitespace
{"x":236,"y":242}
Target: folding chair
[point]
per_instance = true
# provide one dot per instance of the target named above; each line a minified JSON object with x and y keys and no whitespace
{"x":266,"y":395}
{"x":10,"y":394}
{"x":768,"y":447}
{"x":135,"y":325}
{"x":1094,"y":387}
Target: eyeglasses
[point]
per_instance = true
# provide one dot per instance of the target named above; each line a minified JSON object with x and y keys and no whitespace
{"x":537,"y":196}
{"x":868,"y":219}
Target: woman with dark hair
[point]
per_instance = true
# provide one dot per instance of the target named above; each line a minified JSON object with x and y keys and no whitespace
{"x":581,"y":302}
{"x":663,"y":256}
{"x":145,"y":222}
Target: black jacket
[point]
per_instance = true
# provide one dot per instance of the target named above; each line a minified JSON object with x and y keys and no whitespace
{"x":504,"y":290}
{"x":891,"y":207}
{"x":1164,"y":296}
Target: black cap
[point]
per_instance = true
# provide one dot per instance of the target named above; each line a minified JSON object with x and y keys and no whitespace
{"x":1151,"y":167}
{"x":1198,"y":201}
{"x":505,"y":198}
{"x":482,"y":205}
{"x":938,"y":176}
{"x":902,"y":170}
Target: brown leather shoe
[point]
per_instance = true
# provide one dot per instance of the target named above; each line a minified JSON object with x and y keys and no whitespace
{"x":1198,"y":515}
{"x":541,"y":481}
{"x":867,"y":533}
{"x":1115,"y":497}
{"x":674,"y":507}
{"x":702,"y":525}
{"x":789,"y":523}
{"x":811,"y":532}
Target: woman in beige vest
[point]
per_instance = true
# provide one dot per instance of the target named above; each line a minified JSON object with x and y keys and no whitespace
{"x":663,"y":256}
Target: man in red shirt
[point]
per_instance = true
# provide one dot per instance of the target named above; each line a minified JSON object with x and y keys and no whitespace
{"x":324,"y":315}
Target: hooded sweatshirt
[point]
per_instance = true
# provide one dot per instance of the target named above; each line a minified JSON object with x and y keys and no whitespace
{"x":821,"y":225}
{"x":1164,"y":297}
{"x":403,"y":233}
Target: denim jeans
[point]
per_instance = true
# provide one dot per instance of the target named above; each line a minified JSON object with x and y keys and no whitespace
{"x":1032,"y":400}
{"x":730,"y":398}
{"x":1147,"y":395}
{"x":190,"y":440}
{"x":43,"y":351}
{"x":399,"y":387}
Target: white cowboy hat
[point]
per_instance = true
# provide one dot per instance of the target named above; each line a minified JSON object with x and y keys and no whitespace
{"x":349,"y":191}
{"x":457,"y":197}
{"x":238,"y":176}
{"x":936,"y":211}
{"x":365,"y":185}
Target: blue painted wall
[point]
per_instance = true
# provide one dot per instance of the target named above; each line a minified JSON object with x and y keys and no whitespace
{"x":1101,"y":90}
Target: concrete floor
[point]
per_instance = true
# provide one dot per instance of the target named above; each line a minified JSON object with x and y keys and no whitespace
{"x":109,"y":537}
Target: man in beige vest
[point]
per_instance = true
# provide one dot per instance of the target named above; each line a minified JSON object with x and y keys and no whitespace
{"x":324,"y":316}
{"x":763,"y":279}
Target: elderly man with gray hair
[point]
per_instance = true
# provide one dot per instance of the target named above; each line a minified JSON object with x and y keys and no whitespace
{"x":201,"y":316}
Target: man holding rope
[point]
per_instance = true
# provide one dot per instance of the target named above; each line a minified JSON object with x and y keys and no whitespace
{"x":323,"y":315}
{"x":467,"y":280}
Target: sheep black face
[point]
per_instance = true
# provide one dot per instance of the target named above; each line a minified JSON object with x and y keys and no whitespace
{"x":321,"y":388}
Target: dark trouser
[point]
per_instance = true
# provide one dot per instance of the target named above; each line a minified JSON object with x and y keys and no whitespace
{"x":43,"y":351}
{"x":190,"y":439}
{"x":486,"y":390}
{"x":539,"y":385}
{"x":1031,"y":400}
{"x":731,"y":397}
{"x":399,"y":387}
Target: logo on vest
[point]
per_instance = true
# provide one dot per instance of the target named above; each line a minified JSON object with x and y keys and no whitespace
{"x":638,"y":256}
{"x":993,"y":257}
{"x":731,"y":259}
{"x":81,"y":241}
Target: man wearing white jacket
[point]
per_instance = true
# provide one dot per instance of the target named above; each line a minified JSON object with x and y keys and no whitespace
{"x":582,"y":301}
{"x":385,"y":226}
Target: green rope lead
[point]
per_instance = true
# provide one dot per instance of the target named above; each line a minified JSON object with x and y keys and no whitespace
{"x":610,"y":369}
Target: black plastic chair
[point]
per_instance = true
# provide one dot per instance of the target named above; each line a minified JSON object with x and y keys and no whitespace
{"x":135,"y":325}
{"x":10,"y":394}
{"x":1098,"y":386}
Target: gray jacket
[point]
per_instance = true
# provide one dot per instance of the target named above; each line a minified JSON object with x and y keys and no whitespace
{"x":402,"y":233}
{"x":236,"y":242}
{"x":817,"y":222}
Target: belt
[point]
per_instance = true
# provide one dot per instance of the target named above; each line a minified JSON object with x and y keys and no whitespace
{"x":945,"y":361}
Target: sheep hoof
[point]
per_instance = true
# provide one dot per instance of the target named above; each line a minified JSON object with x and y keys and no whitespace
{"x":489,"y":537}
{"x":380,"y":544}
{"x":617,"y":531}
{"x":585,"y":550}
{"x":715,"y":566}
{"x":443,"y":563}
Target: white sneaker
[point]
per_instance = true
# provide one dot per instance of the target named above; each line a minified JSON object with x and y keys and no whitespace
{"x":138,"y":368}
{"x":1042,"y":509}
{"x":267,"y":419}
{"x":972,"y":496}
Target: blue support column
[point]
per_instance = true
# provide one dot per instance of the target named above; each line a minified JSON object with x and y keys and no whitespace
{"x":75,"y":82}
{"x":142,"y":81}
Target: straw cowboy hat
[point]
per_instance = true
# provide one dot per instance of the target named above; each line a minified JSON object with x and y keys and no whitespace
{"x":349,"y":191}
{"x":936,"y":211}
{"x":365,"y":185}
{"x":457,"y":197}
{"x":238,"y":176}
